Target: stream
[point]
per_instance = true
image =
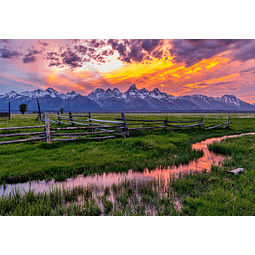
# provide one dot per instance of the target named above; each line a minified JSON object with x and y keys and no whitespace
{"x":107,"y":179}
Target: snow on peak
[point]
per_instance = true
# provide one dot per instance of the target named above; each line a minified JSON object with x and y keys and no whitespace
{"x":116,"y":90}
{"x":132,"y":88}
{"x":50,"y":90}
{"x":230,"y":99}
{"x":11,"y":95}
{"x":72,"y":94}
{"x":39,"y":93}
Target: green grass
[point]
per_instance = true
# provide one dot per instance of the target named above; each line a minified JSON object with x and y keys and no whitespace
{"x":215,"y":193}
{"x":127,"y":198}
{"x":219,"y":192}
{"x":59,"y":160}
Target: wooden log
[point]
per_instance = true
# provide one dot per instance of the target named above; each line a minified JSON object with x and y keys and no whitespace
{"x":23,"y":134}
{"x":9,"y":110}
{"x":73,"y":122}
{"x":216,"y":126}
{"x":80,"y":134}
{"x":24,"y":140}
{"x":139,"y":120}
{"x":71,"y":118}
{"x":99,"y":138}
{"x":237,"y":171}
{"x":126,"y":133}
{"x":63,"y":117}
{"x":148,"y":123}
{"x":201,"y":123}
{"x":47,"y":124}
{"x":65,"y":123}
{"x":228,"y":122}
{"x":54,"y":121}
{"x":185,"y":126}
{"x":81,"y":120}
{"x":39,"y":110}
{"x":27,"y":127}
{"x":74,"y":128}
{"x":90,"y":122}
{"x":4,"y":114}
{"x":184,"y":121}
{"x":109,"y":121}
{"x":85,"y":116}
{"x":145,"y":128}
{"x":91,"y":138}
{"x":165,"y":122}
{"x":58,"y":118}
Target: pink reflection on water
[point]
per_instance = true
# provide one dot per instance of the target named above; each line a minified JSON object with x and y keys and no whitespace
{"x":205,"y":162}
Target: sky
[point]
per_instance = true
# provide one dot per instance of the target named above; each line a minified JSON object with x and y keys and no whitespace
{"x":212,"y":67}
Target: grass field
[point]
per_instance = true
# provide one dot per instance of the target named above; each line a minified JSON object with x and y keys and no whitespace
{"x":214,"y":193}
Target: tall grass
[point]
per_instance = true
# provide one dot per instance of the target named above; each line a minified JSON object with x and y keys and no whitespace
{"x":143,"y":149}
{"x":126,"y":198}
{"x":219,"y":192}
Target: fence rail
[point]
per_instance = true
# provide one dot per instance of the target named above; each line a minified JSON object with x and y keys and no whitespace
{"x":4,"y":114}
{"x":42,"y":134}
{"x":226,"y":123}
{"x":95,"y":129}
{"x":27,"y":127}
{"x":163,"y":122}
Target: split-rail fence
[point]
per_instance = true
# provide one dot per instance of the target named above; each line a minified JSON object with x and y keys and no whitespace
{"x":83,"y":126}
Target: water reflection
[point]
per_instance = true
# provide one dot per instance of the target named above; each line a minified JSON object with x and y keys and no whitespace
{"x":104,"y":180}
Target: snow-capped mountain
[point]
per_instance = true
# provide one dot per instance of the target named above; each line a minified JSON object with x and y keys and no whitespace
{"x":155,"y":100}
{"x":49,"y":99}
{"x":113,"y":100}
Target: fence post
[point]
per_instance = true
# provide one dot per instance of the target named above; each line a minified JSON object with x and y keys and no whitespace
{"x":228,"y":121}
{"x":90,"y":122}
{"x":47,"y":124}
{"x":71,"y":118}
{"x":201,"y":121}
{"x":39,"y":110}
{"x":166,"y":120}
{"x":126,"y":133}
{"x":58,"y":118}
{"x":9,"y":110}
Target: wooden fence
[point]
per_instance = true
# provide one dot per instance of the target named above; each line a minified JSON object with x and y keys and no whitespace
{"x":4,"y":114}
{"x":163,"y":123}
{"x":31,"y":134}
{"x":87,"y":128}
{"x":226,"y":124}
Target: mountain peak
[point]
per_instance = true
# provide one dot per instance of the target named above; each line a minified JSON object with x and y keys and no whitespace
{"x":116,"y":90}
{"x":133,"y":87}
{"x":156,"y":90}
{"x":50,"y":90}
{"x":144,"y":90}
{"x":71,"y":93}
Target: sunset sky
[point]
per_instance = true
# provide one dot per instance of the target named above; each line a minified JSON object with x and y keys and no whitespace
{"x":178,"y":67}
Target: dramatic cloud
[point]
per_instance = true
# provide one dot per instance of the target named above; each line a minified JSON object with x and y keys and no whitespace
{"x":247,"y":52}
{"x":191,"y":52}
{"x":136,"y":50}
{"x":7,"y":41}
{"x":30,"y":57}
{"x":6,"y":53}
{"x":43,"y":43}
{"x":178,"y":67}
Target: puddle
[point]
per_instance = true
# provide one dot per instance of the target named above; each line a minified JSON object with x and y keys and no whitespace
{"x":103,"y":180}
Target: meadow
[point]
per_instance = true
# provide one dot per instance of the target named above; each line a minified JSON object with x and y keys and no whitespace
{"x":217,"y":192}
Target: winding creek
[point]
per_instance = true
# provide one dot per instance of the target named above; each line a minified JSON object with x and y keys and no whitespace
{"x":205,"y":162}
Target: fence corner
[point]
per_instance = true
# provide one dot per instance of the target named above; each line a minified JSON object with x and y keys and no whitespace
{"x":47,"y":126}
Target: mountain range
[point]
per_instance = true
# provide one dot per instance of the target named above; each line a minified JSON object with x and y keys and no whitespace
{"x":113,"y":100}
